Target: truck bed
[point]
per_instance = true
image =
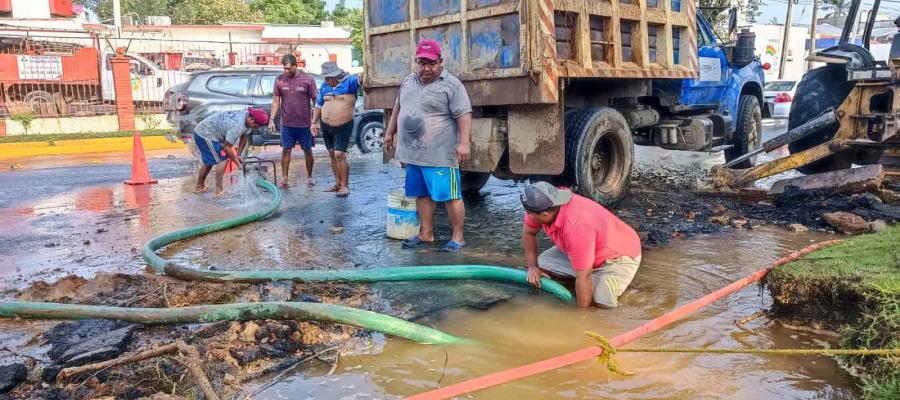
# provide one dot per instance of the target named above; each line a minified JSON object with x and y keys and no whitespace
{"x":517,"y":51}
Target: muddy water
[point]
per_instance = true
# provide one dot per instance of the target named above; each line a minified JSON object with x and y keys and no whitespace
{"x":532,"y":327}
{"x":86,"y":229}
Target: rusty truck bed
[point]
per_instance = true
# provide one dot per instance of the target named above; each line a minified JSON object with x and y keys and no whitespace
{"x":517,"y":51}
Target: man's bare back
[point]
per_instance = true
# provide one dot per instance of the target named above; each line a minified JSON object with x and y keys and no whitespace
{"x":338,"y":110}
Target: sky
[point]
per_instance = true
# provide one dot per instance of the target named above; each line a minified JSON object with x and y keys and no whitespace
{"x":329,"y":4}
{"x":803,"y":10}
{"x":771,"y":8}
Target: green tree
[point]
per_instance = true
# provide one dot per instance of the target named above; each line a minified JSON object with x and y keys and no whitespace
{"x":139,"y":9}
{"x":716,"y":12}
{"x":351,"y":18}
{"x":774,"y":21}
{"x":214,"y":12}
{"x":290,"y":11}
{"x":836,"y":8}
{"x":751,"y":10}
{"x":340,"y":10}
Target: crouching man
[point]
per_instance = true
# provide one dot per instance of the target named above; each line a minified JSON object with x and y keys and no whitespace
{"x":222,"y":136}
{"x":592,"y":245}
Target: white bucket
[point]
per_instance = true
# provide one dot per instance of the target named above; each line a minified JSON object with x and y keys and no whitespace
{"x":402,"y":220}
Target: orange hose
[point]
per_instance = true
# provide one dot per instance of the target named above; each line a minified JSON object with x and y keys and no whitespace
{"x":587,"y":353}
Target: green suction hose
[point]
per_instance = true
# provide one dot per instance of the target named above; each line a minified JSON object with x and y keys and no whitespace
{"x":435,"y":272}
{"x":277,"y":310}
{"x":233,"y":312}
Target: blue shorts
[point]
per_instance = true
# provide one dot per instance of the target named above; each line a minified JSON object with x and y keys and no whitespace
{"x":439,"y":183}
{"x":211,"y":151}
{"x":291,"y":136}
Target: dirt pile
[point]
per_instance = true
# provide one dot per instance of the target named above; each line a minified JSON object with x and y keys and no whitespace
{"x":670,"y":202}
{"x":232,"y":354}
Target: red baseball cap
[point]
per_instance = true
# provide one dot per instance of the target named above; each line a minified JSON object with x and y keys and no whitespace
{"x":428,"y":49}
{"x":259,"y":115}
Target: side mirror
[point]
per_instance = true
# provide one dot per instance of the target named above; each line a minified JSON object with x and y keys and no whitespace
{"x":732,"y":20}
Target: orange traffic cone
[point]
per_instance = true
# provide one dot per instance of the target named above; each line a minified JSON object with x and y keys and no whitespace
{"x":140,"y":175}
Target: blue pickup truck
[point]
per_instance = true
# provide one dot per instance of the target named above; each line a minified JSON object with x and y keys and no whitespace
{"x":562,"y":91}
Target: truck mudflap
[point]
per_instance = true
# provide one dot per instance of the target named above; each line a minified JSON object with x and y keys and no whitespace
{"x":537,"y":143}
{"x":488,"y":143}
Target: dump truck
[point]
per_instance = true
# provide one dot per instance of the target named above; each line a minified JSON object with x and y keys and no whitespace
{"x":563,"y":89}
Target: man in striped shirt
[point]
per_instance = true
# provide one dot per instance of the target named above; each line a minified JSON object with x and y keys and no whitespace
{"x":217,"y":136}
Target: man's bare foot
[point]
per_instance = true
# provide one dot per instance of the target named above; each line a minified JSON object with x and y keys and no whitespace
{"x":333,"y":189}
{"x":284,"y":185}
{"x":201,"y":189}
{"x":220,"y":192}
{"x":310,"y":182}
{"x":344,"y":192}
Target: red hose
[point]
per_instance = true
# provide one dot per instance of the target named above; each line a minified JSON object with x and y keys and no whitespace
{"x":587,"y":353}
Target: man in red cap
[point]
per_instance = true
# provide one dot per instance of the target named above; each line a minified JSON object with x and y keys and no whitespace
{"x":216,"y":137}
{"x":432,"y":122}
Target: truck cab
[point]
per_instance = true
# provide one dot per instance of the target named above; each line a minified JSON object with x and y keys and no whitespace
{"x":730,"y":83}
{"x":563,"y":90}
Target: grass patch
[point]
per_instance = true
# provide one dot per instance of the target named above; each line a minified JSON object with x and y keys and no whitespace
{"x":57,"y":137}
{"x":853,"y":287}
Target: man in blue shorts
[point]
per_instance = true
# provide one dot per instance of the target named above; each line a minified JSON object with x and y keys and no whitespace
{"x":216,"y":137}
{"x":294,"y":93}
{"x":334,"y":114}
{"x":432,"y":120}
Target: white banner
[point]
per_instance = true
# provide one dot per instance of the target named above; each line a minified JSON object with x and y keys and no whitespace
{"x":47,"y":68}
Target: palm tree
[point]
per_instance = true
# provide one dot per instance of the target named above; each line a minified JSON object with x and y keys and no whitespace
{"x":774,"y":21}
{"x":836,"y":8}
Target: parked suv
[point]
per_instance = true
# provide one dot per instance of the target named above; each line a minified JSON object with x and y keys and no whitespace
{"x":236,"y":88}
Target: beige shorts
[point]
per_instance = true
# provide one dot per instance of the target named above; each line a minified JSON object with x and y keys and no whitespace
{"x":610,"y":280}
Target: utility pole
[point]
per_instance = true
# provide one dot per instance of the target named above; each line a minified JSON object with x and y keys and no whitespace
{"x":812,"y":34}
{"x":117,"y":17}
{"x":784,"y":40}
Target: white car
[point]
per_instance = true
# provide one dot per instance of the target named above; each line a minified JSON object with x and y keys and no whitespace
{"x":778,"y":96}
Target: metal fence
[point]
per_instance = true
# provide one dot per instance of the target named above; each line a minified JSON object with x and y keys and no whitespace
{"x":160,"y":64}
{"x":69,"y":74}
{"x":51,"y":75}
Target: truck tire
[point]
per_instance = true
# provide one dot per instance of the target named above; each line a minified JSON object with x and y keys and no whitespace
{"x":599,"y":154}
{"x":820,"y":89}
{"x":748,"y":132}
{"x":370,"y":137}
{"x":472,"y":182}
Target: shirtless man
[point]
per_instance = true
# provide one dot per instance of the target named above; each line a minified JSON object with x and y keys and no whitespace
{"x":334,"y":116}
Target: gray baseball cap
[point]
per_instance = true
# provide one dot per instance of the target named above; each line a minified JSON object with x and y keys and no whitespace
{"x":330,"y":69}
{"x":540,"y":196}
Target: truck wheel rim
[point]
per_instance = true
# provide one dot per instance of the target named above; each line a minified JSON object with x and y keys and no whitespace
{"x":374,"y":138}
{"x":753,"y":135}
{"x":603,"y":160}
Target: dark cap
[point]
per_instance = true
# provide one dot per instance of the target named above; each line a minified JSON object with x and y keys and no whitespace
{"x":330,"y":69}
{"x":541,"y":196}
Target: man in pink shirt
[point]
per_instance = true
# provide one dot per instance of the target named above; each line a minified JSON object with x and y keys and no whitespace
{"x":592,"y":245}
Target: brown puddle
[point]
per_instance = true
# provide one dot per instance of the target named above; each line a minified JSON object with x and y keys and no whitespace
{"x":532,"y":328}
{"x":101,"y":228}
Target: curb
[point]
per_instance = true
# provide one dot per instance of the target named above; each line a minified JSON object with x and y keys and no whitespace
{"x":82,"y":146}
